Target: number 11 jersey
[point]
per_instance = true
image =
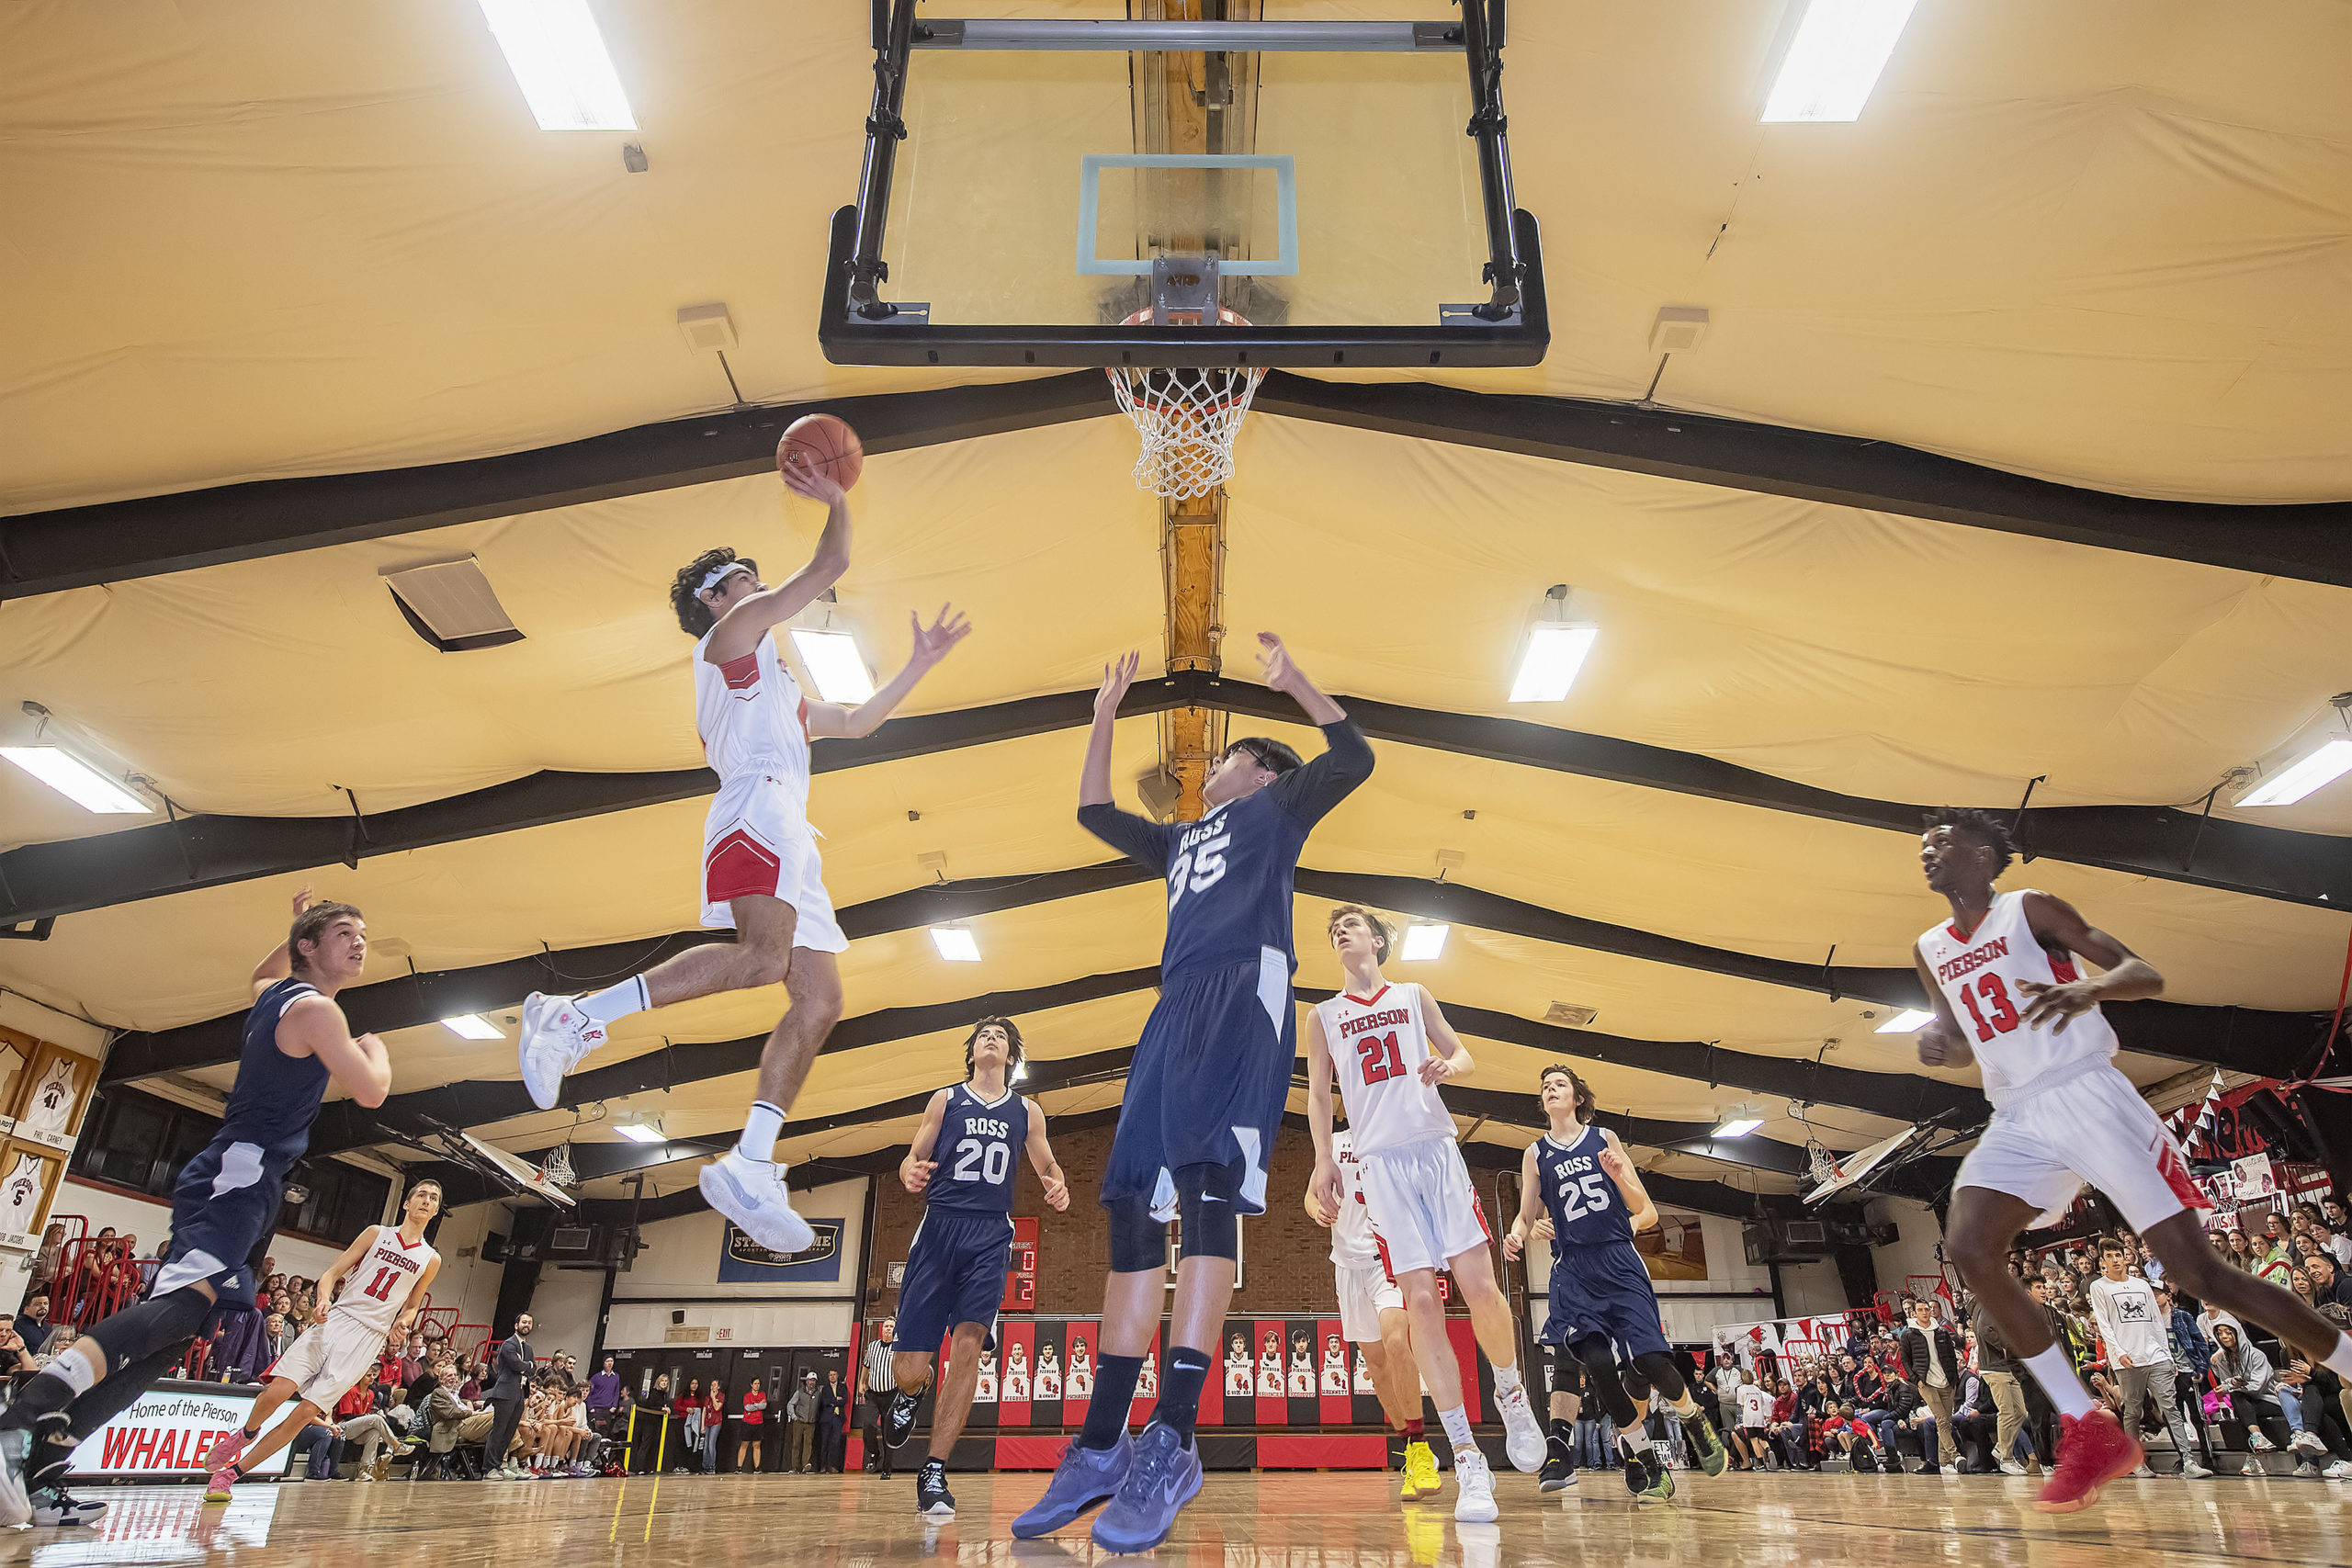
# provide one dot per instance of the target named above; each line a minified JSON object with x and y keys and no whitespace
{"x":374,"y":1292}
{"x":1377,"y":1046}
{"x":1979,"y":974}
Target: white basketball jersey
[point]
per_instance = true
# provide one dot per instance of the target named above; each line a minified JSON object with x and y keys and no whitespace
{"x":52,"y":1100}
{"x":752,"y":718}
{"x":379,"y":1286}
{"x":20,"y":1195}
{"x":1352,"y":1245}
{"x":1377,"y":1046}
{"x":1979,"y":974}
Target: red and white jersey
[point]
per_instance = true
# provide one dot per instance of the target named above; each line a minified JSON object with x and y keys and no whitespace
{"x":753,"y":718}
{"x":1979,"y":974}
{"x":1351,"y":1244}
{"x":1377,"y":1046}
{"x":379,"y":1285}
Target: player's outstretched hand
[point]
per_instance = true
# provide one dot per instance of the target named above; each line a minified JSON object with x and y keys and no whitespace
{"x":1282,"y":675}
{"x":804,"y":478}
{"x":304,"y":900}
{"x":932,"y":642}
{"x":1057,"y":1194}
{"x":2056,"y":1004}
{"x":916,"y":1173}
{"x":1116,"y":678}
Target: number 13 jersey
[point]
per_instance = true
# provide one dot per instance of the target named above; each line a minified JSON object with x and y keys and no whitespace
{"x":979,"y":1145}
{"x":1979,"y":974}
{"x":1377,"y":1046}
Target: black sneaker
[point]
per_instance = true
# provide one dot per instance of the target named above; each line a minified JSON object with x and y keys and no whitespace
{"x":55,"y":1505}
{"x":1557,"y":1475}
{"x":899,"y":1425}
{"x":1637,"y":1473}
{"x":932,"y":1500}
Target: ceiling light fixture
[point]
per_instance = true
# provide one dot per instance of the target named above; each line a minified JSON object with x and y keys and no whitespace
{"x":2292,"y":782}
{"x":560,"y":62}
{"x":76,"y":780}
{"x":1737,"y":1122}
{"x":470,"y":1026}
{"x":640,"y":1128}
{"x":1020,"y":1073}
{"x":828,"y":652}
{"x":956,"y":944}
{"x":1424,"y":941}
{"x":1908,"y":1022}
{"x":1556,"y":648}
{"x":1835,"y":59}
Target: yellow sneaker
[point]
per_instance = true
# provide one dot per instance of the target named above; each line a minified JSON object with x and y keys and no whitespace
{"x":1420,"y":1474}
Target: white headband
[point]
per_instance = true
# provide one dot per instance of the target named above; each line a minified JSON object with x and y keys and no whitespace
{"x":719,"y":574}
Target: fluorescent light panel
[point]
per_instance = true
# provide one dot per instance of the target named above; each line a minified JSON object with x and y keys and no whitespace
{"x":1424,"y":942}
{"x":470,"y":1026}
{"x":640,"y":1129}
{"x":1739,"y":1127}
{"x":956,"y":944}
{"x":1554,"y":654}
{"x":76,"y":780}
{"x":1910,"y":1021}
{"x":1835,"y":59}
{"x":558,"y":61}
{"x":834,"y":663}
{"x":2291,"y":783}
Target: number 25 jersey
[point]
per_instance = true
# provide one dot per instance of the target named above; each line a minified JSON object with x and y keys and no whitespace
{"x":977,"y":1148}
{"x":1587,"y":1209}
{"x":1979,"y":974}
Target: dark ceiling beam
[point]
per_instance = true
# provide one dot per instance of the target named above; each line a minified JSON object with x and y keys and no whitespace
{"x":424,"y":998}
{"x":47,"y":552}
{"x":40,"y":881}
{"x":2309,"y":541}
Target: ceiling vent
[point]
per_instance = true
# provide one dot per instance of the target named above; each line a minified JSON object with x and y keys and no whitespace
{"x":451,"y":606}
{"x":1568,"y":1015}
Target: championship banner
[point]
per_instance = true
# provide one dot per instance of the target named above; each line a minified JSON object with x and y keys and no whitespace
{"x":742,"y":1262}
{"x":164,"y":1435}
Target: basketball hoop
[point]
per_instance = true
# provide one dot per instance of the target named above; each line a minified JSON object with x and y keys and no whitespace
{"x":1187,"y":418}
{"x":557,"y":1172}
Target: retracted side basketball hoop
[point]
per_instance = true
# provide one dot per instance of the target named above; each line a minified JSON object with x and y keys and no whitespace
{"x":1187,"y":417}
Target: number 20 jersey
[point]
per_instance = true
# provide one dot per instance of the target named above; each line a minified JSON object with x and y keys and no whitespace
{"x":1377,"y":1046}
{"x":1979,"y":974}
{"x":978,"y":1151}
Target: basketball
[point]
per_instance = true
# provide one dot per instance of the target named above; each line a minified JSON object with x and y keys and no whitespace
{"x":825,"y":443}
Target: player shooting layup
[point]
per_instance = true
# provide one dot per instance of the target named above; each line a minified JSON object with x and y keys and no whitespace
{"x":955,"y":1278}
{"x":1390,"y":1048}
{"x":760,"y":870}
{"x":2061,"y":1114}
{"x":1204,"y":1098}
{"x":387,"y":1268}
{"x":224,"y":1208}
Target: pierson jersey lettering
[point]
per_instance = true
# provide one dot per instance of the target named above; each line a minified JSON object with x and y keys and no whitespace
{"x":1352,"y":1243}
{"x":1377,"y":1044}
{"x":1979,"y":974}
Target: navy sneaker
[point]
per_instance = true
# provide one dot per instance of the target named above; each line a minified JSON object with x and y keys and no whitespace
{"x":1087,"y":1478}
{"x":1166,"y":1475}
{"x":55,"y":1505}
{"x":900,"y":1424}
{"x":932,"y":1500}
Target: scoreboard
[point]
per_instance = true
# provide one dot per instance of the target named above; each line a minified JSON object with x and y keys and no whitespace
{"x":1021,"y":1267}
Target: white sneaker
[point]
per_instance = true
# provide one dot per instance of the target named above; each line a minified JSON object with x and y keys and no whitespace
{"x":1474,"y":1484}
{"x":2141,"y":1471}
{"x":2308,"y":1442}
{"x":1522,"y":1434}
{"x":2340,"y":1471}
{"x":2257,"y":1442}
{"x":1950,"y":1470}
{"x":2252,"y":1467}
{"x":752,"y":1195}
{"x":2192,"y":1470}
{"x":554,"y":1036}
{"x":2011,"y":1467}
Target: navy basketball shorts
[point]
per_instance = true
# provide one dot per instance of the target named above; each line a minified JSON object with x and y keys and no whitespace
{"x":955,"y":1269}
{"x":224,"y":1213}
{"x":1603,"y":1293}
{"x":1210,"y":1079}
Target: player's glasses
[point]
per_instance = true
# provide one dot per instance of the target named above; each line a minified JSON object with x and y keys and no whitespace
{"x":1255,"y":755}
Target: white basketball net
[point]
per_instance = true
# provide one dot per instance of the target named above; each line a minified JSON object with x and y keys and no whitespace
{"x":1187,"y":418}
{"x":557,"y":1172}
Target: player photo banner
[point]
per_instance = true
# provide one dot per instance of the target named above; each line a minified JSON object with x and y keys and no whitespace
{"x":1273,"y":1398}
{"x":1047,"y":1377}
{"x":1336,"y":1404}
{"x":1302,"y":1379}
{"x":1675,"y":1249}
{"x":1013,"y":1344}
{"x":1363,"y":1396}
{"x":1146,"y":1394}
{"x":1237,"y":1372}
{"x":742,"y":1262}
{"x":167,"y":1432}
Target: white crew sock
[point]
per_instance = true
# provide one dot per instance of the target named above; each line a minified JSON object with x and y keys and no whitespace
{"x":74,"y":1369}
{"x":2056,"y":1375}
{"x":1506,"y":1378}
{"x":615,"y":1002}
{"x":2339,"y":1360}
{"x":1456,"y":1422}
{"x":759,"y":1129}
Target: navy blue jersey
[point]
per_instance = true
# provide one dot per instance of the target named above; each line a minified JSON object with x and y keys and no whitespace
{"x":979,"y":1151}
{"x":1586,"y":1209}
{"x":275,"y":1096}
{"x":1229,"y":875}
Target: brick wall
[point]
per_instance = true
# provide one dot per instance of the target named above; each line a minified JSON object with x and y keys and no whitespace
{"x":1286,"y":1256}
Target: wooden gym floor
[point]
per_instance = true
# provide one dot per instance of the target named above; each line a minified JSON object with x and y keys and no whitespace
{"x":1271,"y":1521}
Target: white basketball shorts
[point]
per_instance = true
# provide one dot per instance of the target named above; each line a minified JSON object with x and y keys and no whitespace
{"x":1364,"y":1294}
{"x":2093,"y":1128}
{"x":328,"y":1358}
{"x":1423,"y":1208}
{"x":756,"y":841}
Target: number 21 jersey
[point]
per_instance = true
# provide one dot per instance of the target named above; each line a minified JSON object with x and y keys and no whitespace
{"x":979,"y":1142}
{"x":1979,"y":973}
{"x":1377,"y":1046}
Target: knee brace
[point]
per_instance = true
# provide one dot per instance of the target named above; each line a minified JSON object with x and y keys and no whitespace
{"x":1139,"y":1242}
{"x":1663,"y":1375}
{"x":1205,"y":1202}
{"x":1601,"y":1363}
{"x":1567,"y":1372}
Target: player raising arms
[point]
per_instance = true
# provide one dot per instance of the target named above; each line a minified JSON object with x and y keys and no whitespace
{"x":1604,"y":1304}
{"x":387,"y":1268}
{"x":224,"y":1207}
{"x":2061,"y":1114}
{"x":955,"y":1278}
{"x":1205,"y":1096}
{"x":1373,"y":1318}
{"x":760,"y":870}
{"x":1390,"y":1048}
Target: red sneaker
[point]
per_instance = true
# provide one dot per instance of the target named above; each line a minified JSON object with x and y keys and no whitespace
{"x":2092,"y":1450}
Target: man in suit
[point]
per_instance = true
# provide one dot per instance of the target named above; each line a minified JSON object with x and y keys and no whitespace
{"x":833,"y":1439}
{"x":512,"y":1370}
